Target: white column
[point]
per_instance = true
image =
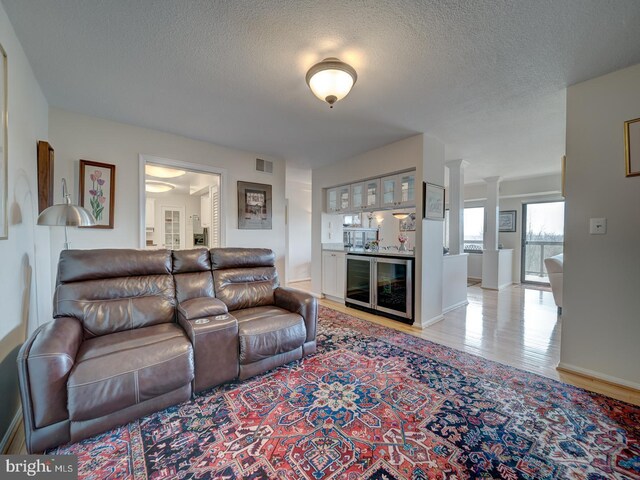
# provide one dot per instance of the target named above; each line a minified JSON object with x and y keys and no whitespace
{"x":496,"y":264}
{"x":491,"y":212}
{"x":456,"y":205}
{"x":429,"y":239}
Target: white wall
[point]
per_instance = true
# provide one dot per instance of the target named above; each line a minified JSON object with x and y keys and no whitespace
{"x":76,"y":137}
{"x":25,"y":294}
{"x":298,"y":194}
{"x":601,"y":297}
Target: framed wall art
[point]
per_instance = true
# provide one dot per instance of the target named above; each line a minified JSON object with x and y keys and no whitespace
{"x":432,"y":201}
{"x":254,"y":206}
{"x":507,"y":221}
{"x":98,"y":191}
{"x":4,"y":154}
{"x":632,"y":147}
{"x":45,"y":175}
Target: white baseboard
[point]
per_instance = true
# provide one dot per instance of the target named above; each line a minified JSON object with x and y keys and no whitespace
{"x":298,"y":280}
{"x":11,"y":431}
{"x":567,"y":367}
{"x":332,"y":298}
{"x":456,"y":305}
{"x":429,"y":322}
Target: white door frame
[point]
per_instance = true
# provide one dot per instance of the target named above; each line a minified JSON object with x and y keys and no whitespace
{"x":195,"y":167}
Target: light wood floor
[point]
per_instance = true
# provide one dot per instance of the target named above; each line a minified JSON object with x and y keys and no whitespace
{"x":517,"y":326}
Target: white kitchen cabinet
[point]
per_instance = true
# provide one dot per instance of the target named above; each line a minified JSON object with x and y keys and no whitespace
{"x":333,"y":273}
{"x":398,"y":190}
{"x":149,"y":213}
{"x":357,"y":197}
{"x":338,"y":199}
{"x":371,"y":194}
{"x":332,"y":200}
{"x":365,"y":196}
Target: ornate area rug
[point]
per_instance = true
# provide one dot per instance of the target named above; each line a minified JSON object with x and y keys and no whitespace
{"x":375,"y":403}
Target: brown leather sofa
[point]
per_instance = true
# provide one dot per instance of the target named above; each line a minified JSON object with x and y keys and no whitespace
{"x":137,"y":331}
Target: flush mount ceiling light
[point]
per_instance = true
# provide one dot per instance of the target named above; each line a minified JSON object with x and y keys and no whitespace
{"x":331,"y":80}
{"x":162,"y":172}
{"x":158,"y":187}
{"x":400,"y":215}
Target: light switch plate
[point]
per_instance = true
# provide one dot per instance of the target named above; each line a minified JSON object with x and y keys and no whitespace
{"x":597,"y":226}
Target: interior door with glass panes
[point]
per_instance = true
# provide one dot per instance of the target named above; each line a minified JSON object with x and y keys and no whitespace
{"x":173,"y":228}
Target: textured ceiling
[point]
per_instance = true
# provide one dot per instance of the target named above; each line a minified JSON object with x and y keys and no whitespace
{"x":487,"y":77}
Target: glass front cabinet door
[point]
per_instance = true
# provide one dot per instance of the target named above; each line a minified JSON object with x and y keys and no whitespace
{"x":372,"y":194}
{"x":357,"y":197}
{"x":332,"y":200}
{"x":399,"y":190}
{"x":343,"y":198}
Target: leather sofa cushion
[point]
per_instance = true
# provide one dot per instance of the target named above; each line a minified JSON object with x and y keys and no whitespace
{"x":242,"y":288}
{"x":222,"y":258}
{"x":268,"y":331}
{"x":117,"y":304}
{"x":80,"y":265}
{"x":193,"y":285}
{"x":126,"y":368}
{"x":188,"y":261}
{"x":201,"y":307}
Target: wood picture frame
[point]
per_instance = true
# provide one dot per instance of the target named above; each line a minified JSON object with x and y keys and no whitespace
{"x":563,"y":166}
{"x":4,"y":140}
{"x":254,"y":206}
{"x":98,"y":190}
{"x":507,"y":221}
{"x":632,"y":147}
{"x":45,"y":175}
{"x":433,"y":201}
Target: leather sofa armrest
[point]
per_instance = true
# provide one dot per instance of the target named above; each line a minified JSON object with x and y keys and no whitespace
{"x":44,"y":363}
{"x":301,"y":303}
{"x":201,"y":307}
{"x":215,"y":347}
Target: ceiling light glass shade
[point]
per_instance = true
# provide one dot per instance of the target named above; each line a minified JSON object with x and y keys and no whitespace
{"x":400,"y":215}
{"x":158,"y":187}
{"x":331,"y":80}
{"x":163,"y":172}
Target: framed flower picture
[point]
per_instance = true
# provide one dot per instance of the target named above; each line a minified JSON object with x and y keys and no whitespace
{"x":98,"y":190}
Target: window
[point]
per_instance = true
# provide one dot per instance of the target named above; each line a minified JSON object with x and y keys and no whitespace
{"x":473,"y":229}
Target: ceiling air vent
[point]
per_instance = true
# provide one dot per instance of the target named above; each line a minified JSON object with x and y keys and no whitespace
{"x":264,"y":165}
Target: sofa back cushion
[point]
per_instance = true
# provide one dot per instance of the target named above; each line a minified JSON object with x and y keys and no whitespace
{"x":244,"y":277}
{"x":192,"y":274}
{"x":112,"y":290}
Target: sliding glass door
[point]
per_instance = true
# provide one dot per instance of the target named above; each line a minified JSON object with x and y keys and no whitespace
{"x":542,"y":237}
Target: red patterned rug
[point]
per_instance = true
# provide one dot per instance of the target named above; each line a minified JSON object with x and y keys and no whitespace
{"x":375,"y":403}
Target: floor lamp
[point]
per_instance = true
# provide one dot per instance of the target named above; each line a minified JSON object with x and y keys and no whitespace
{"x":66,"y":214}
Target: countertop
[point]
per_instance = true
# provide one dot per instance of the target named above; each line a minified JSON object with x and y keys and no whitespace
{"x":381,"y":253}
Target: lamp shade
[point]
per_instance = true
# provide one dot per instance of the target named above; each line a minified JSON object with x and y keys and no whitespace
{"x":67,"y":215}
{"x":331,"y":80}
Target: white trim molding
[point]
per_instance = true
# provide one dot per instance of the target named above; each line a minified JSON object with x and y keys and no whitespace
{"x":10,"y":434}
{"x":585,"y":372}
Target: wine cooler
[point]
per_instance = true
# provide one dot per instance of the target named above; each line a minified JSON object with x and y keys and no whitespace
{"x":380,"y":284}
